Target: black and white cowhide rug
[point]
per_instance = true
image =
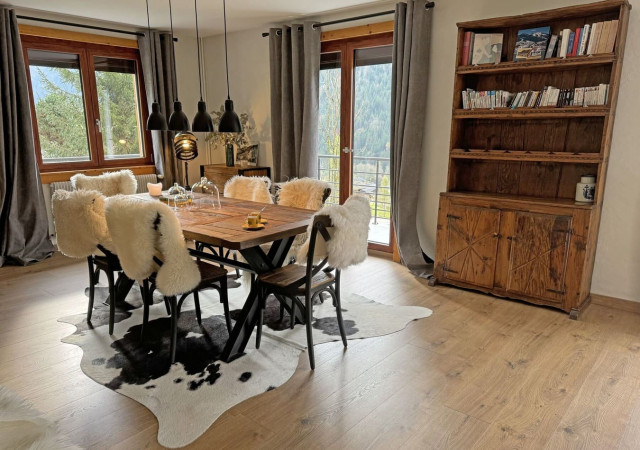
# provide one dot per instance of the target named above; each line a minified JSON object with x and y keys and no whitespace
{"x":190,"y":395}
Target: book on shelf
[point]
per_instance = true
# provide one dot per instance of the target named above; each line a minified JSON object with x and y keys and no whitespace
{"x":549,"y":96}
{"x":553,"y":42}
{"x":486,"y":48}
{"x":531,"y":44}
{"x":576,"y":42}
{"x":466,"y":48}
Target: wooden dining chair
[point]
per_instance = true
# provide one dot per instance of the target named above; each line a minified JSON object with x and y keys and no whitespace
{"x":82,"y":232}
{"x":294,"y":281}
{"x":152,"y":250}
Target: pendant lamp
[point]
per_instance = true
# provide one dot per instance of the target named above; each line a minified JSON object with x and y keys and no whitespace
{"x":156,"y":121}
{"x":202,"y":121}
{"x":229,"y":122}
{"x":178,"y":120}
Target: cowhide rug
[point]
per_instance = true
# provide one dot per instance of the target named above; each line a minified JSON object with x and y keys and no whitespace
{"x":190,"y":395}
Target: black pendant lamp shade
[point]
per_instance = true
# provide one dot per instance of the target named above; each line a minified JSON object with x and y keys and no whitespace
{"x":178,"y":120}
{"x":229,"y":122}
{"x":202,"y":121}
{"x":156,"y":120}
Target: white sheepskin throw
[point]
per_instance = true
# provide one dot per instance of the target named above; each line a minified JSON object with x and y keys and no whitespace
{"x":80,"y":222}
{"x":141,"y":229}
{"x":349,"y":234}
{"x":255,"y":189}
{"x":23,"y":427}
{"x":109,"y":184}
{"x":303,"y":193}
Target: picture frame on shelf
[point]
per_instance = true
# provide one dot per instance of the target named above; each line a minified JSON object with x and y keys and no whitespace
{"x":247,"y":155}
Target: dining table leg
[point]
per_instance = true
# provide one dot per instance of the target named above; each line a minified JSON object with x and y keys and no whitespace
{"x":260,"y":262}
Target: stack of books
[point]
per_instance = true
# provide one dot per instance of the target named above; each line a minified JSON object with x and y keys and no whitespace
{"x":481,"y":48}
{"x":599,"y":37}
{"x":549,"y":96}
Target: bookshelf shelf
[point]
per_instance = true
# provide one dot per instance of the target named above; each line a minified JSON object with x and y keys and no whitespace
{"x":519,"y":155}
{"x":508,"y":223}
{"x":531,"y":113}
{"x":510,"y":198}
{"x":572,"y":62}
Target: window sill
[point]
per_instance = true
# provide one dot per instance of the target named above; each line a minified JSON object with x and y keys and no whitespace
{"x":51,"y":177}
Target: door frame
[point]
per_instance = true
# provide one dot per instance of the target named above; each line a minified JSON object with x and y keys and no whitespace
{"x":347,"y":48}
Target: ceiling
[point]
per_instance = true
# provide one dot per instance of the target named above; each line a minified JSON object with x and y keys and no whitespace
{"x":241,"y":14}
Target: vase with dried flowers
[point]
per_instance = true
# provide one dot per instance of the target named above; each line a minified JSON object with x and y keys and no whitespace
{"x":229,"y":140}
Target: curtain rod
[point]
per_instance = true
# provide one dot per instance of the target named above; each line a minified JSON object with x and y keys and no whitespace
{"x":427,"y":5}
{"x":80,"y":25}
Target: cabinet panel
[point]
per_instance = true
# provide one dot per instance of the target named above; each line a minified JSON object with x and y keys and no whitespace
{"x":471,"y":244}
{"x":538,"y":256}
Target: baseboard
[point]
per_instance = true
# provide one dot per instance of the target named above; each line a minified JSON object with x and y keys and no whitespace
{"x":616,"y":303}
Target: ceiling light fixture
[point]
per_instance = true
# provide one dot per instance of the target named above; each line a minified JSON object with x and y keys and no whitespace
{"x":202,"y":121}
{"x":178,"y":120}
{"x":229,"y":122}
{"x":156,"y":121}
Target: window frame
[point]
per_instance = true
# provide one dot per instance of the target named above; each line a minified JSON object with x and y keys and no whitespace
{"x":86,"y":52}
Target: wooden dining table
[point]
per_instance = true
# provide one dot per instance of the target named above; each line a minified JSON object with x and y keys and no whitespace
{"x":221,"y":228}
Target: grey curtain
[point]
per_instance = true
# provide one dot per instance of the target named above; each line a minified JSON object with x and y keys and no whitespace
{"x":411,"y":41}
{"x":295,"y":75}
{"x":165,"y":93}
{"x":24,"y":228}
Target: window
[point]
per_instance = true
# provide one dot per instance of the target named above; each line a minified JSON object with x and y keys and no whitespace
{"x":88,"y":104}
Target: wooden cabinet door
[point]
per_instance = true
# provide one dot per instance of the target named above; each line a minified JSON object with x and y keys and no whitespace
{"x":538,"y":257}
{"x":472,"y":240}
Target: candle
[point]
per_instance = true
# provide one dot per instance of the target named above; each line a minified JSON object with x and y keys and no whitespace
{"x":155,"y":189}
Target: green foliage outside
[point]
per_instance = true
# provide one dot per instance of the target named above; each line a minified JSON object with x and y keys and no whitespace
{"x":62,"y":124}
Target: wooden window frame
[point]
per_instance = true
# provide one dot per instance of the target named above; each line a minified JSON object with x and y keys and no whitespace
{"x":86,"y":52}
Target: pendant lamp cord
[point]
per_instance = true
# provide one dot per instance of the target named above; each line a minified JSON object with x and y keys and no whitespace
{"x":195,"y":3}
{"x":226,"y":57}
{"x":173,"y":53}
{"x":153,"y":57}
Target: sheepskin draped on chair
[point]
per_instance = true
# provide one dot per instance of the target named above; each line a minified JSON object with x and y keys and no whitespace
{"x":255,"y":189}
{"x":306,"y":193}
{"x":141,"y":230}
{"x":109,"y":184}
{"x":349,"y":234}
{"x":80,"y":220}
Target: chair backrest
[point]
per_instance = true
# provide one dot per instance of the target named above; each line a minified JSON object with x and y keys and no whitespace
{"x":349,"y":230}
{"x":80,"y":222}
{"x":255,"y":189}
{"x":145,"y":231}
{"x":307,"y":193}
{"x":109,"y":184}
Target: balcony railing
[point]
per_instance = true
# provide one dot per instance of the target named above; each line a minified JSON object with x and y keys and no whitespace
{"x":371,"y":176}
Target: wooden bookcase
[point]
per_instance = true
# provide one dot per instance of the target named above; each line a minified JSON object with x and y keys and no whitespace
{"x":508,"y":223}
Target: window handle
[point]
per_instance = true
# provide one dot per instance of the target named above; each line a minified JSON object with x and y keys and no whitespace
{"x":347,"y":150}
{"x":99,"y":125}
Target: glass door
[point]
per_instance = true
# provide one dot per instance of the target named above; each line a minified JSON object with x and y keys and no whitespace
{"x":354,"y":126}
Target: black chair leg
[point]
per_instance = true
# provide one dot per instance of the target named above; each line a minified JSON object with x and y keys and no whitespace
{"x":112,"y":301}
{"x":309,"y":327}
{"x":235,"y":258}
{"x":144,"y":290}
{"x":338,"y":305}
{"x":196,"y":300}
{"x":260,"y":317}
{"x":224,"y":299}
{"x":293,"y":312}
{"x":92,"y":287}
{"x":96,"y":277}
{"x":174,"y":328}
{"x":166,"y":305}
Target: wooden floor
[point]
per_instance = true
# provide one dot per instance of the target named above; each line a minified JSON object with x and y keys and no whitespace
{"x":479,"y":373}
